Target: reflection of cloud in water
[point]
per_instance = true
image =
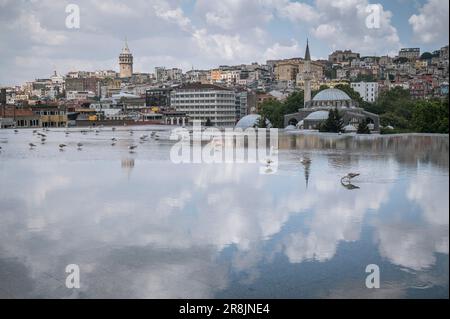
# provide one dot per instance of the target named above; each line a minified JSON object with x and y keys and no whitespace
{"x":411,"y":246}
{"x":414,"y":245}
{"x":338,"y":216}
{"x":160,"y":233}
{"x":429,"y":193}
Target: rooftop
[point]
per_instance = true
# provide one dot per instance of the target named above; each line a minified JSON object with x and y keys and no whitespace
{"x":199,"y":86}
{"x":331,"y":95}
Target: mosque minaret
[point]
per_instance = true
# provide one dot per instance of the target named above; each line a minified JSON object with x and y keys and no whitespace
{"x":307,"y":76}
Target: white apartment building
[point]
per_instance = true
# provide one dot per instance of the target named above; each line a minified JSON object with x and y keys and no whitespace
{"x":367,"y":90}
{"x":79,"y":95}
{"x":230,"y":76}
{"x":205,"y":101}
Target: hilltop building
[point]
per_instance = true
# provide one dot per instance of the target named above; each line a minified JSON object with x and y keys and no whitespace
{"x":126,"y":62}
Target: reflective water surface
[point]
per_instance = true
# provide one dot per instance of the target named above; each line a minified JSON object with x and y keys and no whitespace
{"x":141,"y":227}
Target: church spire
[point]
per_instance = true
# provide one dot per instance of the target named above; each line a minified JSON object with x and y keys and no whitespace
{"x":307,"y":54}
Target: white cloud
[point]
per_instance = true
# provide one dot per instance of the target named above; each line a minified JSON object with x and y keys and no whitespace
{"x":279,"y":51}
{"x":173,"y":15}
{"x":30,"y":24}
{"x":210,"y":34}
{"x":236,"y":15}
{"x":113,"y":7}
{"x":227,"y":48}
{"x":431,"y":25}
{"x":297,"y":11}
{"x":342,"y":25}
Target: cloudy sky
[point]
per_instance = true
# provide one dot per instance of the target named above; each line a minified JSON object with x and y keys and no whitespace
{"x":204,"y":33}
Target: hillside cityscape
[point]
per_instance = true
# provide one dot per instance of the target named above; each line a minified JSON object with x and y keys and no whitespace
{"x":223,"y":95}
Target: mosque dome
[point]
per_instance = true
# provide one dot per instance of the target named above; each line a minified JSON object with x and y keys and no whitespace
{"x":317,"y":116}
{"x":250,"y":121}
{"x":331,"y":95}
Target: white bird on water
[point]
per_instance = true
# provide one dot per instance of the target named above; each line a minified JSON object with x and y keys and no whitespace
{"x":62,"y":146}
{"x":32,"y":145}
{"x":132,"y":148}
{"x":350,"y":176}
{"x":305,"y":160}
{"x":80,"y":145}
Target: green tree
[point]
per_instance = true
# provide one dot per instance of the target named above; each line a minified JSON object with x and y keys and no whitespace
{"x":274,"y":111}
{"x":262,"y":122}
{"x":333,"y":124}
{"x":430,"y":117}
{"x":426,"y":56}
{"x":350,"y":92}
{"x":363,"y":127}
{"x":394,"y":120}
{"x":294,"y":102}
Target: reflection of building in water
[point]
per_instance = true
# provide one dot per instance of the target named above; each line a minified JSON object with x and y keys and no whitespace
{"x":128,"y":165}
{"x":406,"y":149}
{"x":307,"y":166}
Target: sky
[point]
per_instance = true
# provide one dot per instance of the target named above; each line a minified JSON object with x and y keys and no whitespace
{"x":202,"y":34}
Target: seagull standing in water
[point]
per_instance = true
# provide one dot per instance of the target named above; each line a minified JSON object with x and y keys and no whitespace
{"x":305,"y":160}
{"x":80,"y":145}
{"x":349,"y":176}
{"x":132,"y":148}
{"x":62,"y":146}
{"x":32,"y":145}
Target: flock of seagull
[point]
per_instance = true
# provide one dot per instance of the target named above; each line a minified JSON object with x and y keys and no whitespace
{"x":345,"y":180}
{"x":42,"y":135}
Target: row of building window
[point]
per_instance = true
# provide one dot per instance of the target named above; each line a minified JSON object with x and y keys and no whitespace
{"x":179,"y":101}
{"x":202,"y":95}
{"x":213,"y":113}
{"x":50,"y":113}
{"x":205,"y":107}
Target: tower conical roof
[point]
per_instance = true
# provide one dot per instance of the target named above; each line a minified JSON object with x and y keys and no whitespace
{"x":307,"y":54}
{"x":126,"y":50}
